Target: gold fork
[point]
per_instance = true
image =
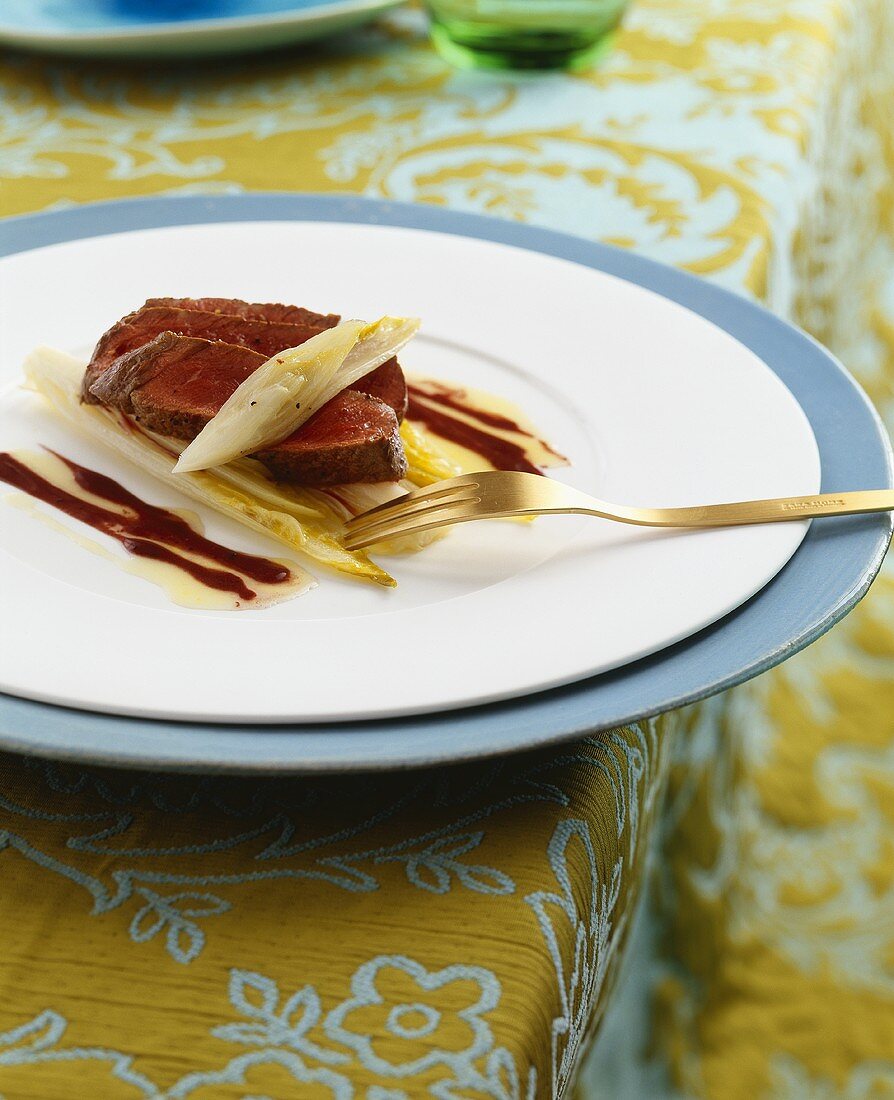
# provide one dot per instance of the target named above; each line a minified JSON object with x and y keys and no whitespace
{"x":496,"y":494}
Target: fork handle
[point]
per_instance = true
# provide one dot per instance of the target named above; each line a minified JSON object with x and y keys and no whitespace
{"x":776,"y":510}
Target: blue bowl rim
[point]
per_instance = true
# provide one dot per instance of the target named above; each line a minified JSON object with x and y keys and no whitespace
{"x":121,"y":32}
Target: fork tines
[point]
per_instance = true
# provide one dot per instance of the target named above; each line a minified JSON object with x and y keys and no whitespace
{"x":433,"y":506}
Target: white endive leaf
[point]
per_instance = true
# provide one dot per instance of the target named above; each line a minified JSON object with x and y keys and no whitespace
{"x":283,"y":393}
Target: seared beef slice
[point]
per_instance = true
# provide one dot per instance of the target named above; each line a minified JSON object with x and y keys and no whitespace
{"x":354,"y":437}
{"x":174,"y":384}
{"x":263,"y":336}
{"x":253,"y":311}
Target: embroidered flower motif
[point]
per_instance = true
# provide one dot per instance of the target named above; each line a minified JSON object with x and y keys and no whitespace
{"x":499,"y":1081}
{"x":38,"y":1034}
{"x":38,"y":1042}
{"x":421,"y":1019}
{"x":271,"y":1024}
{"x":264,"y":1075}
{"x":580,"y":935}
{"x":184,"y":939}
{"x":404,"y":1019}
{"x":431,"y":867}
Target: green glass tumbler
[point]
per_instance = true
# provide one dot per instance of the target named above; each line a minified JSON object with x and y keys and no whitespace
{"x":524,"y":34}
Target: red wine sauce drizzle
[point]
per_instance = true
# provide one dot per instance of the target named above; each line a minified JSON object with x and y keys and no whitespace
{"x":144,"y":529}
{"x":502,"y":454}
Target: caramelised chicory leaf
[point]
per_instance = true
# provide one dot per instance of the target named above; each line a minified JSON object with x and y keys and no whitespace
{"x":283,"y":393}
{"x":243,"y":491}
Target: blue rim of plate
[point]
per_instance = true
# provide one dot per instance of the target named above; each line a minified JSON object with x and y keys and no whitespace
{"x":828,"y":575}
{"x":125,"y":32}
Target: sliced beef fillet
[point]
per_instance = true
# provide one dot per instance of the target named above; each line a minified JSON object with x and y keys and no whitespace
{"x":263,"y":336}
{"x":388,"y":384}
{"x":174,"y":384}
{"x":253,"y":311}
{"x":327,"y":449}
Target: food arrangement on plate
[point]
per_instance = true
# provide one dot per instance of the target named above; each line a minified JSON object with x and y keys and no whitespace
{"x":286,"y":420}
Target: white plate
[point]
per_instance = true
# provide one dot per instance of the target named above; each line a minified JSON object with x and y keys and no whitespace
{"x":653,"y":404}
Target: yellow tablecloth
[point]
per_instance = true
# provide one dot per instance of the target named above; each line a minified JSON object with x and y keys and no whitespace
{"x":452,"y":934}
